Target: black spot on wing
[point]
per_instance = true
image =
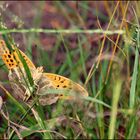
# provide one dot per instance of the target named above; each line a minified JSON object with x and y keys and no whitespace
{"x":11,"y":60}
{"x":62,"y":81}
{"x":64,"y":86}
{"x":9,"y":56}
{"x":57,"y":78}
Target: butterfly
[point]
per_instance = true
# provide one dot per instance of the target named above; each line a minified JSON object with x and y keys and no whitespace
{"x":45,"y":83}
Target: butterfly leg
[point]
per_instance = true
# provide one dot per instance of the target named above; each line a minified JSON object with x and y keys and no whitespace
{"x":28,"y":92}
{"x":32,"y":91}
{"x":26,"y":95}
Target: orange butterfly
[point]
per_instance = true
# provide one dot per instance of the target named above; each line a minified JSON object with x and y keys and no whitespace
{"x":44,"y":82}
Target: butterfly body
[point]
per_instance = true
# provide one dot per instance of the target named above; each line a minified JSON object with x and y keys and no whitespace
{"x":44,"y":82}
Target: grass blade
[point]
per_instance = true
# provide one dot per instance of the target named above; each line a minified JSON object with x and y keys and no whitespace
{"x":116,"y":95}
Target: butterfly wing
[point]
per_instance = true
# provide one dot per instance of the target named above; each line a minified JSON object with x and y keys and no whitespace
{"x":63,"y":83}
{"x":16,"y":70}
{"x":11,"y":59}
{"x":52,"y":87}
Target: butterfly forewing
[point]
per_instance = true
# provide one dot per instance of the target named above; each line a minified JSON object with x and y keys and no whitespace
{"x":11,"y":58}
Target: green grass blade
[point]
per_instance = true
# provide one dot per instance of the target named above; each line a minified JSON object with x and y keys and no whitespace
{"x":39,"y":118}
{"x":27,"y":70}
{"x":62,"y":31}
{"x":135,"y":70}
{"x":6,"y":39}
{"x":82,"y":57}
{"x":134,"y":80}
{"x":96,"y":101}
{"x":132,"y":125}
{"x":115,"y":99}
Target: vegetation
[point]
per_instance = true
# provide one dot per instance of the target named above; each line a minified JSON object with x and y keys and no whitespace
{"x":95,"y":44}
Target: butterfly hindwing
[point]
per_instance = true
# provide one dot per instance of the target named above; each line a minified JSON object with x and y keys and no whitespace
{"x":61,"y":82}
